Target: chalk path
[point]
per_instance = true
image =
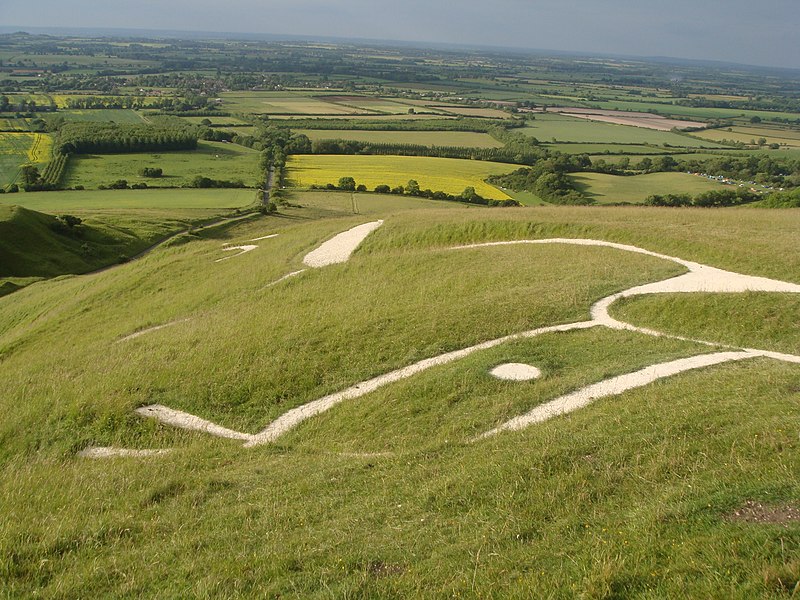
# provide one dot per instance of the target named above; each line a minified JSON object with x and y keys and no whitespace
{"x":699,"y":278}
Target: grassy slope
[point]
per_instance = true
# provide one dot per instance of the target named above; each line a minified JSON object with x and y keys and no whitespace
{"x":29,"y":247}
{"x":626,"y":497}
{"x":103,"y":200}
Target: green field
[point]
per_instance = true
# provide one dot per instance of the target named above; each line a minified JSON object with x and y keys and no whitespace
{"x":164,"y":199}
{"x":104,"y":115}
{"x":696,"y":113}
{"x":390,"y":495}
{"x":421,"y":138}
{"x":751,"y":135}
{"x":604,"y":188}
{"x":270,"y":103}
{"x":216,"y":160}
{"x":438,"y":174}
{"x":550,"y":126}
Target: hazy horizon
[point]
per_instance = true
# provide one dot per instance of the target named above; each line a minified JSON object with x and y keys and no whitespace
{"x":736,"y":31}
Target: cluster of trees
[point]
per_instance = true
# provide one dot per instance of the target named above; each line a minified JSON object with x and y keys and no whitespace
{"x":151,"y":172}
{"x":784,"y":172}
{"x":457,"y":124}
{"x":23,"y":105}
{"x":32,"y":180}
{"x":110,"y":138}
{"x":710,"y":199}
{"x":548,"y":179}
{"x":67,"y":225}
{"x":469,"y":195}
{"x":503,"y":155}
{"x":773,"y":103}
{"x":787,"y":199}
{"x":205,"y":182}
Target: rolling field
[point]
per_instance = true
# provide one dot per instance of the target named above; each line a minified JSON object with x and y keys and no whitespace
{"x":422,"y":138}
{"x":216,"y":160}
{"x":548,"y":126}
{"x":269,"y":103}
{"x":104,"y":115}
{"x":438,"y":174}
{"x":751,"y":135}
{"x":390,"y":494}
{"x":85,"y":202}
{"x":18,"y":149}
{"x":604,"y":188}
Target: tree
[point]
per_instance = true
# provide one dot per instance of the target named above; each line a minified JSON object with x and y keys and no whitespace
{"x":30,"y":174}
{"x":347,"y":184}
{"x":412,"y":187}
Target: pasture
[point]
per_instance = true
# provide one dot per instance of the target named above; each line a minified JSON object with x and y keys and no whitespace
{"x":561,"y":128}
{"x":438,"y":174}
{"x":422,"y":138}
{"x":104,"y":115}
{"x":385,"y":493}
{"x":216,"y":160}
{"x":271,"y":104}
{"x":604,"y":188}
{"x":789,"y":138}
{"x":85,"y":202}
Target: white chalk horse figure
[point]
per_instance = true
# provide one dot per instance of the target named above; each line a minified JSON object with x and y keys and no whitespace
{"x":699,"y":278}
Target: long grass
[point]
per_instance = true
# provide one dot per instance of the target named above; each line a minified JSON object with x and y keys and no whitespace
{"x":387,"y":496}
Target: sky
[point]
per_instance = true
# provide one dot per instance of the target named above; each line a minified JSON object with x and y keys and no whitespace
{"x":741,"y":31}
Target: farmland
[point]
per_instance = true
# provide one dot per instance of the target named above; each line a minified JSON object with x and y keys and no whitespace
{"x":211,"y":159}
{"x":88,"y":201}
{"x":422,"y":138}
{"x":284,"y":391}
{"x":562,"y":128}
{"x":604,"y":188}
{"x":437,"y":174}
{"x":18,"y":149}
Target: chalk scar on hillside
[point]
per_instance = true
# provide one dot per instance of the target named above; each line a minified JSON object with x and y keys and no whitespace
{"x":699,"y":278}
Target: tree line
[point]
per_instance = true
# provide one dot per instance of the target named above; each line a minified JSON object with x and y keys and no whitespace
{"x":110,"y":138}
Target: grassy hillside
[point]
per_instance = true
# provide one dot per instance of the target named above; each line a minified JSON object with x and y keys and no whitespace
{"x":34,"y":244}
{"x":389,"y":495}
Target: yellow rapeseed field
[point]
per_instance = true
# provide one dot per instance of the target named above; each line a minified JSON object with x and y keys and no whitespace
{"x":446,"y":174}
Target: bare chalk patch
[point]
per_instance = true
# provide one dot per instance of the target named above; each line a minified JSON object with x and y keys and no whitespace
{"x":339,"y":248}
{"x":183,"y":420}
{"x":142,"y":332}
{"x":515,"y":372}
{"x":615,"y":386}
{"x":96,"y":452}
{"x":244,"y":249}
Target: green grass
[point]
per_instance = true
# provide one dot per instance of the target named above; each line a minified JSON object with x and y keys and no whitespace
{"x":216,"y":160}
{"x":103,"y":115}
{"x":30,"y":247}
{"x":281,"y":104}
{"x":386,"y":496}
{"x":561,"y":128}
{"x":445,"y":174}
{"x":604,"y":188}
{"x":421,"y":138}
{"x":164,"y":199}
{"x":754,"y":320}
